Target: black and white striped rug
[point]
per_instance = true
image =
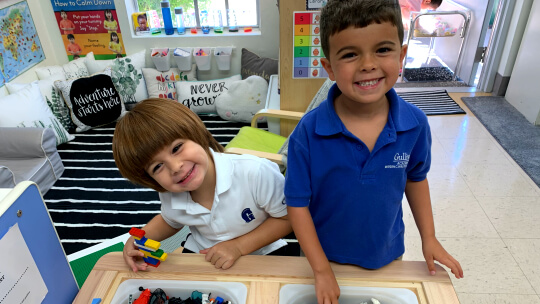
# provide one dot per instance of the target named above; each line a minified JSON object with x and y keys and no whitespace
{"x":436,"y":102}
{"x":92,"y":202}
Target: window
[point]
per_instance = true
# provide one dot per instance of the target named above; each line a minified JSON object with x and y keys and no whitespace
{"x":243,"y":12}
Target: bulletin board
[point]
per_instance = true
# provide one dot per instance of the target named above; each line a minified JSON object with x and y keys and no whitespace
{"x":27,"y":210}
{"x":307,"y":51}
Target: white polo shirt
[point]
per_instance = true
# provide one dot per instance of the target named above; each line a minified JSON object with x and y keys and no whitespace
{"x":248,"y":191}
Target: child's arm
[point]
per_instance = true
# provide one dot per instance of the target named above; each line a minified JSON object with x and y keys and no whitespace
{"x":326,"y":286}
{"x":224,"y":254}
{"x":157,"y":229}
{"x":418,"y":196}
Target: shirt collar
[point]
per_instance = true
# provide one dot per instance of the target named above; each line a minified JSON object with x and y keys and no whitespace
{"x":328,"y":122}
{"x":224,"y":171}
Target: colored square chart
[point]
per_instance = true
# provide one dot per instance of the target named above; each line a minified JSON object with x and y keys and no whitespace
{"x":307,"y":50}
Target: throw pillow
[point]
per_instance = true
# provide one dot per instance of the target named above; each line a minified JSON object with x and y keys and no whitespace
{"x":93,"y":101}
{"x":26,"y":108}
{"x":243,"y":99}
{"x":200,"y":96}
{"x":95,"y":66}
{"x":73,"y":69}
{"x":53,"y":98}
{"x":252,"y":64}
{"x":162,"y":84}
{"x":126,"y":75}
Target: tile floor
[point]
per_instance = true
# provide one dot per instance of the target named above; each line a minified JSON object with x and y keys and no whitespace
{"x":486,"y":211}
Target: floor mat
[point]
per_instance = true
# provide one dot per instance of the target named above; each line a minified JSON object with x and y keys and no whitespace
{"x":519,"y":137}
{"x":426,"y":74}
{"x":436,"y":102}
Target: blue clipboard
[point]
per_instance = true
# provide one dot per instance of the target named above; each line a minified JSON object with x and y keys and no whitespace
{"x":40,"y":236}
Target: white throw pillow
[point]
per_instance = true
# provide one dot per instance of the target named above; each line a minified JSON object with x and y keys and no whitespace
{"x":52,"y":96}
{"x":200,"y":96}
{"x":95,"y":66}
{"x":73,"y":69}
{"x":93,"y":101}
{"x":243,"y":99}
{"x":26,"y":108}
{"x":162,"y":84}
{"x":126,"y":75}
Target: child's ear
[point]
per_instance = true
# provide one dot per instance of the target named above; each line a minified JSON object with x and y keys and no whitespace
{"x":328,"y":67}
{"x":402,"y":54}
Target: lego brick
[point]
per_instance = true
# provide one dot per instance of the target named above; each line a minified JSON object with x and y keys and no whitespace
{"x":152,"y":244}
{"x":136,"y":232}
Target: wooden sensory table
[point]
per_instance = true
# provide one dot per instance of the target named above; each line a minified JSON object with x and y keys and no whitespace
{"x":265,"y":275}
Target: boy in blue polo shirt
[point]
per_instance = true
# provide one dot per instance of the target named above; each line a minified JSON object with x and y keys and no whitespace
{"x":351,"y":159}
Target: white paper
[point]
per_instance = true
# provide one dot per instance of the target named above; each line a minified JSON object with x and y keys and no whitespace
{"x":315,"y":4}
{"x":20,"y":280}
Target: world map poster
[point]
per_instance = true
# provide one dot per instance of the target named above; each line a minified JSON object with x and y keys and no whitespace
{"x":20,"y":48}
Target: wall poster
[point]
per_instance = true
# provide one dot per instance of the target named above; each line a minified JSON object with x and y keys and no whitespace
{"x":20,"y":48}
{"x":89,"y":26}
{"x":307,"y":50}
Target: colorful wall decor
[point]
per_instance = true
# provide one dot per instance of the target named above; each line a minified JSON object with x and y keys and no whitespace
{"x":307,"y":50}
{"x":89,"y":26}
{"x":20,"y":48}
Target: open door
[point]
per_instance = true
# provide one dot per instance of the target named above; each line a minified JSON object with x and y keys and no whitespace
{"x":474,"y":43}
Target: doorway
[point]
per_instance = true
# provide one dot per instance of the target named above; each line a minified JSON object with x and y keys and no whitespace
{"x":453,"y":55}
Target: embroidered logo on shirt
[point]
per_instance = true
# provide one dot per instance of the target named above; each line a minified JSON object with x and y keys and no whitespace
{"x":400,"y":161}
{"x":247,"y":215}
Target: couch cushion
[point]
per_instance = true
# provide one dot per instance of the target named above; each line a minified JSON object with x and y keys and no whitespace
{"x":243,"y":99}
{"x":252,"y":64}
{"x":200,"y":96}
{"x":73,"y":69}
{"x":26,"y":108}
{"x":52,"y":96}
{"x":93,"y":101}
{"x":162,"y":84}
{"x":126,"y":75}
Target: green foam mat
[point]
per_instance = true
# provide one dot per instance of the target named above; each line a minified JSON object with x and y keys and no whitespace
{"x":81,"y":267}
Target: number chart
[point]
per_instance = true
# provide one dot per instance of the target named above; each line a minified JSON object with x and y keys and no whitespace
{"x":307,"y":50}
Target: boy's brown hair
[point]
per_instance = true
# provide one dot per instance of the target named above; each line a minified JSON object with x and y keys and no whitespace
{"x":338,"y":15}
{"x":149,"y":127}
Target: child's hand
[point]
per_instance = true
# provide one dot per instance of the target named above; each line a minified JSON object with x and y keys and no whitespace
{"x":131,"y":252}
{"x":222,"y":255}
{"x":434,"y":251}
{"x":326,"y":287}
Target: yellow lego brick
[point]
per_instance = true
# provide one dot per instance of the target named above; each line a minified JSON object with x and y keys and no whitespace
{"x":162,"y":258}
{"x":152,"y":244}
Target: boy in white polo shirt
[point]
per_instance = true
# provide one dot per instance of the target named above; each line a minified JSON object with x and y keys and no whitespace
{"x":233,"y":204}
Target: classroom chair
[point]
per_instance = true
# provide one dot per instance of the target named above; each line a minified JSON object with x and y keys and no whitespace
{"x":254,"y":141}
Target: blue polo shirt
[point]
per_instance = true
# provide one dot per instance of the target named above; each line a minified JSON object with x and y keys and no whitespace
{"x":354,"y":196}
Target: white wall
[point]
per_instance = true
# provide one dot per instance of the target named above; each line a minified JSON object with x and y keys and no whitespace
{"x":265,"y":45}
{"x":523,"y":90}
{"x":518,"y":22}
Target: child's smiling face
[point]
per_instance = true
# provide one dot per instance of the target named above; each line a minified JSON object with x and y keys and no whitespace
{"x":108,"y":15}
{"x":115,"y":38}
{"x":179,"y":167}
{"x":365,"y":61}
{"x":63,"y":15}
{"x":71,"y":40}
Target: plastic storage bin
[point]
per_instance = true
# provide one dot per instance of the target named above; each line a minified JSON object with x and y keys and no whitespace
{"x":203,"y":58}
{"x":231,"y":291}
{"x":223,"y":58}
{"x":183,"y":57}
{"x":301,"y":293}
{"x":161,"y":59}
